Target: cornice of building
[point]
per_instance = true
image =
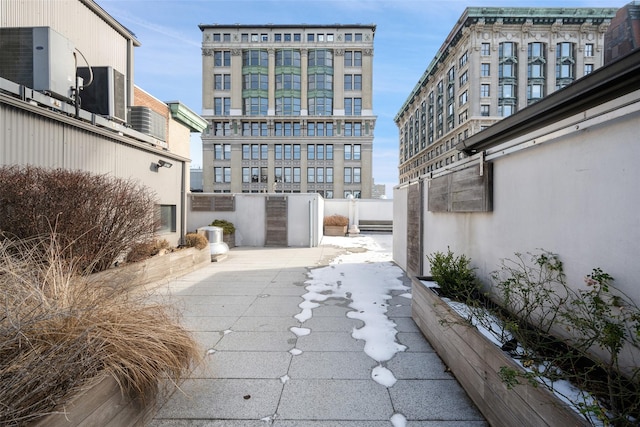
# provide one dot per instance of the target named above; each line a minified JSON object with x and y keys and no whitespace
{"x":506,"y":16}
{"x":203,"y":27}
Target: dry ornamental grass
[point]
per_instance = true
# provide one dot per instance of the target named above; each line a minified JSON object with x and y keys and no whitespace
{"x":58,"y":333}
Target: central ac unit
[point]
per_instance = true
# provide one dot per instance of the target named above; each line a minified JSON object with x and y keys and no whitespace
{"x":106,"y":94}
{"x":39,"y":58}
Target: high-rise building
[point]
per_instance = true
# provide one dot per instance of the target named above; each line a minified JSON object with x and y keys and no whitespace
{"x":494,"y":62}
{"x":290,"y":109}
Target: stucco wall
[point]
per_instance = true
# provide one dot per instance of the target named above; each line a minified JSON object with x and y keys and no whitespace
{"x":575,"y":195}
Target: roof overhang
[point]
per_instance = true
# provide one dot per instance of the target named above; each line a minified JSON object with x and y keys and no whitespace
{"x":186,"y":116}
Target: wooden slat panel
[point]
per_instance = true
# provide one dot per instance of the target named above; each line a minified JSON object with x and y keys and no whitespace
{"x":201,"y":203}
{"x":276,"y":221}
{"x":414,"y":229}
{"x":467,"y":190}
{"x":224,"y":203}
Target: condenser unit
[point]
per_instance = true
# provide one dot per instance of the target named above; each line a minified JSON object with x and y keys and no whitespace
{"x":39,"y":58}
{"x":105,"y":93}
{"x":145,"y":120}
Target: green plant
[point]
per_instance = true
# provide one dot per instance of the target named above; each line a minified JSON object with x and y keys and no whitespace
{"x":195,"y":240}
{"x":539,"y":305}
{"x":455,"y":277}
{"x":336,"y":220}
{"x":227,"y":226}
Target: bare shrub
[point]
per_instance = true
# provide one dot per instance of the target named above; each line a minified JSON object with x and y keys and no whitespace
{"x":144,"y":250}
{"x":336,"y":220}
{"x":58,"y":333}
{"x":97,"y":217}
{"x":195,"y":240}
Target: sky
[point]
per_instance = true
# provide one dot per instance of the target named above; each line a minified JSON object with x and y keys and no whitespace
{"x":409,"y":33}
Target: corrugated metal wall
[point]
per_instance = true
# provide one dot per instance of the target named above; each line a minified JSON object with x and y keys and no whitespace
{"x":98,"y":41}
{"x":30,"y":138}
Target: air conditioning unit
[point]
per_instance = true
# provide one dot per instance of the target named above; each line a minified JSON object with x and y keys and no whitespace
{"x":145,"y":120}
{"x":39,"y":58}
{"x":106,"y":94}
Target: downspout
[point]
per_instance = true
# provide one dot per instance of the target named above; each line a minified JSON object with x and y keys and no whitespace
{"x":311,"y":223}
{"x":183,"y":205}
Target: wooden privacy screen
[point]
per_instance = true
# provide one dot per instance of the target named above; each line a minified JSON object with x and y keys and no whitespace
{"x":213,"y":203}
{"x":414,"y":229}
{"x":276,"y":217}
{"x":466,"y":190}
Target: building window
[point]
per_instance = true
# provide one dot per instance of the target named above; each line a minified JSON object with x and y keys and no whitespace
{"x":462,"y":99}
{"x":296,"y":151}
{"x":216,"y":37}
{"x":311,"y":175}
{"x":264,"y":151}
{"x":320,"y":175}
{"x":320,"y":58}
{"x":287,"y":175}
{"x":462,"y":117}
{"x":353,"y":58}
{"x":484,"y":110}
{"x":288,"y":81}
{"x":320,"y":152}
{"x":358,"y":37}
{"x":588,"y":69}
{"x":320,"y":106}
{"x":507,"y":90}
{"x":535,"y":91}
{"x":311,"y":152}
{"x":356,"y":152}
{"x":255,"y":81}
{"x":347,"y":152}
{"x":222,"y":81}
{"x":329,"y":175}
{"x":296,"y":174}
{"x":221,"y":106}
{"x":485,"y":69}
{"x":255,"y":58}
{"x":356,"y":175}
{"x":353,"y":106}
{"x":222,"y":174}
{"x":565,"y":61}
{"x":168,"y":221}
{"x":256,"y":106}
{"x":277,"y":151}
{"x":222,"y":58}
{"x":277,"y":174}
{"x":485,"y":90}
{"x":352,"y":129}
{"x":246,"y":151}
{"x":463,"y":59}
{"x":221,"y":128}
{"x":255,"y":152}
{"x":329,"y":151}
{"x":320,"y":81}
{"x":287,"y":58}
{"x":485,"y":49}
{"x":505,"y":110}
{"x":588,"y":50}
{"x":353,"y":82}
{"x":464,"y":77}
{"x":347,"y":175}
{"x":507,"y":69}
{"x":288,"y":106}
{"x":222,"y":152}
{"x":246,"y":175}
{"x":287,"y":151}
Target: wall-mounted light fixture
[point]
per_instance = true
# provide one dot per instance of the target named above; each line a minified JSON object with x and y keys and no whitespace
{"x":164,"y":164}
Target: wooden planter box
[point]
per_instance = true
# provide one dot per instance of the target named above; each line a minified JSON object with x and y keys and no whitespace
{"x":102,"y":404}
{"x":335,"y":230}
{"x":160,"y":267}
{"x":475,"y":362}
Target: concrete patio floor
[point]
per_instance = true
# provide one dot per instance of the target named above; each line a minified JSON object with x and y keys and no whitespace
{"x":257,"y":372}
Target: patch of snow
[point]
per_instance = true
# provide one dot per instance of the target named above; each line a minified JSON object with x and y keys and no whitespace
{"x":365,"y":279}
{"x":228,"y":331}
{"x":211,"y":351}
{"x":300,"y":332}
{"x":383,"y":376}
{"x":284,"y":379}
{"x":398,"y":420}
{"x":295,"y":351}
{"x":406,"y":295}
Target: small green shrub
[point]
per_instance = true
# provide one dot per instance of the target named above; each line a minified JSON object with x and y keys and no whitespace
{"x":336,"y":220}
{"x":227,"y":226}
{"x":195,"y":240}
{"x":457,"y":280}
{"x":144,"y":250}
